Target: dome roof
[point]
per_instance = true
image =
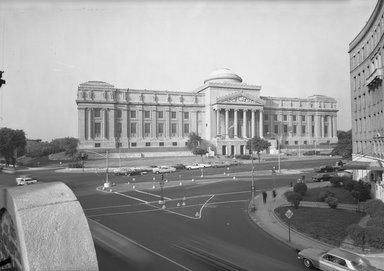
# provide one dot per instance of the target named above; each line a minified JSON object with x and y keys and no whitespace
{"x":223,"y":75}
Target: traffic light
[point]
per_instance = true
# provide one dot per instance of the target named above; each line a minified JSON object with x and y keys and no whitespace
{"x":2,"y":81}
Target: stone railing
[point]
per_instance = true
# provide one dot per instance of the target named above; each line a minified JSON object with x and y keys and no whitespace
{"x":43,"y":227}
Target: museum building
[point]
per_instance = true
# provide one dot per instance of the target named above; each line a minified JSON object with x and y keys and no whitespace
{"x":366,"y":53}
{"x":224,"y":111}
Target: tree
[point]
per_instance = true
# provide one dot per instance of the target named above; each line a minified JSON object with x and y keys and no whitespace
{"x":194,"y":144}
{"x":294,"y":198}
{"x":344,"y":144}
{"x":12,"y":144}
{"x":258,"y":145}
{"x":70,"y":146}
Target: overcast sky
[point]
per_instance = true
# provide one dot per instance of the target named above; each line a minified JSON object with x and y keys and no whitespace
{"x":292,"y":48}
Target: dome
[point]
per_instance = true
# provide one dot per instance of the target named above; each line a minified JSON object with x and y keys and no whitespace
{"x":223,"y":75}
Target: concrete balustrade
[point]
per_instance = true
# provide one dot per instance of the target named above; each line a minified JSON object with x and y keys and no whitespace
{"x":43,"y":227}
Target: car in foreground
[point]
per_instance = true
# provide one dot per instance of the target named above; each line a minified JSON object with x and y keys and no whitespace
{"x":333,"y":260}
{"x":163,"y":169}
{"x":25,"y":180}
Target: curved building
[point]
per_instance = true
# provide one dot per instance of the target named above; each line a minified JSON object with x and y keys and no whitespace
{"x":366,"y":53}
{"x":224,"y":110}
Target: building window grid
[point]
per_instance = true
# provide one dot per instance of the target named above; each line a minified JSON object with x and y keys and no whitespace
{"x":147,"y":114}
{"x":133,"y":114}
{"x":147,"y":129}
{"x":186,"y":115}
{"x":160,"y":114}
{"x":173,"y":115}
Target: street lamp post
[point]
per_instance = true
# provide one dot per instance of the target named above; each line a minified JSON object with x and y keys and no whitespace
{"x":107,"y":184}
{"x":161,"y":183}
{"x":279,"y":138}
{"x":253,"y":179}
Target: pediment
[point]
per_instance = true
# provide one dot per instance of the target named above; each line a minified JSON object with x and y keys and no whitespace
{"x":240,"y":98}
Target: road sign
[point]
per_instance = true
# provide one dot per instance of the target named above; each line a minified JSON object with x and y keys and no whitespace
{"x":289,"y":214}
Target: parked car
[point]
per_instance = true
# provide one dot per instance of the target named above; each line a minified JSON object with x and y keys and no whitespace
{"x":122,"y":171}
{"x":333,"y":260}
{"x":204,"y":165}
{"x":25,"y":180}
{"x":194,"y":166}
{"x":178,"y":166}
{"x":327,"y":169}
{"x":163,"y":169}
{"x":322,"y":177}
{"x":219,"y":164}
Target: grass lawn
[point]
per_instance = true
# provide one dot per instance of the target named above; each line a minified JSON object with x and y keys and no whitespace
{"x":343,"y":195}
{"x":327,"y":225}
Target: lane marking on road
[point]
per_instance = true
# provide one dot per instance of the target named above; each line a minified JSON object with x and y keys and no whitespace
{"x":157,"y":196}
{"x":169,"y":209}
{"x":146,"y":202}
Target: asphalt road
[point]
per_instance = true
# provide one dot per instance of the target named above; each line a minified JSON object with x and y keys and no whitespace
{"x":212,"y":231}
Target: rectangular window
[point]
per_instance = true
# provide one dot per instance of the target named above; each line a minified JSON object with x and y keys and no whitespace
{"x":286,"y":142}
{"x":161,"y":144}
{"x":186,"y":115}
{"x":173,"y":129}
{"x":302,"y":118}
{"x":173,"y":115}
{"x":266,"y":128}
{"x":313,"y":130}
{"x":305,"y":142}
{"x":119,"y":144}
{"x":294,"y":129}
{"x":133,"y":129}
{"x":97,"y":129}
{"x":119,"y":113}
{"x":275,"y":117}
{"x":160,"y":114}
{"x":160,"y":129}
{"x":265,"y":117}
{"x":186,"y":129}
{"x":276,"y":129}
{"x":119,"y":129}
{"x":285,"y":117}
{"x":147,"y":114}
{"x":133,"y":114}
{"x":97,"y":112}
{"x":174,"y":143}
{"x":285,"y":129}
{"x":147,"y":129}
{"x":147,"y":144}
{"x":296,"y":142}
{"x":294,"y":117}
{"x":303,"y":130}
{"x":133,"y":144}
{"x":312,"y":118}
{"x":97,"y":145}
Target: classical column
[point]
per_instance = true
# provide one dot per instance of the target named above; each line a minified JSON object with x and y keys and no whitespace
{"x":217,"y":122}
{"x":244,"y":123}
{"x":226,"y":123}
{"x":235,"y":123}
{"x":82,"y":128}
{"x":334,"y":124}
{"x":103,"y":123}
{"x":253,"y":123}
{"x":90,"y":120}
{"x":111,"y":123}
{"x":322,"y":126}
{"x":261,"y":123}
{"x":317,"y":126}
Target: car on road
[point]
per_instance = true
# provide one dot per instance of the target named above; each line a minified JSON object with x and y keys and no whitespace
{"x":220,"y":164}
{"x":204,"y":165}
{"x":163,"y":169}
{"x":178,"y":166}
{"x":122,"y":171}
{"x":328,"y":168}
{"x":323,"y":177}
{"x":25,"y":180}
{"x":194,"y":166}
{"x":334,"y":260}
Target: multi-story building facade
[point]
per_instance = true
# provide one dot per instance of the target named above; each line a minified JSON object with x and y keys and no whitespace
{"x":224,"y":111}
{"x":366,"y":53}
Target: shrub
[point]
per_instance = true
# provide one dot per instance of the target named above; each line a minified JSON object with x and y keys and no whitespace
{"x":374,"y":236}
{"x":337,"y":181}
{"x":373,"y":206}
{"x":243,"y":156}
{"x":376,"y":222}
{"x":362,"y":191}
{"x":323,"y":194}
{"x":294,"y":198}
{"x":332,"y":202}
{"x":75,"y":165}
{"x":357,"y":234}
{"x":379,"y":213}
{"x":350,"y":185}
{"x":300,"y":188}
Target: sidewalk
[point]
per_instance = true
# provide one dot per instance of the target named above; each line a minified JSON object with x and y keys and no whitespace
{"x":265,"y":218}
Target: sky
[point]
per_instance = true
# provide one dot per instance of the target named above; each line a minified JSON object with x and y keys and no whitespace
{"x":292,"y":48}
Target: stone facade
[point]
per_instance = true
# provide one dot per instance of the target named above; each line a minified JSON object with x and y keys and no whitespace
{"x":366,"y":53}
{"x":224,"y":111}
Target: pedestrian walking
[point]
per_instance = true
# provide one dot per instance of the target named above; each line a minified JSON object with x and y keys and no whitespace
{"x":264,"y":197}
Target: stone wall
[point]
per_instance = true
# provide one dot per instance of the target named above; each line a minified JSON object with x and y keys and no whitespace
{"x":43,"y":227}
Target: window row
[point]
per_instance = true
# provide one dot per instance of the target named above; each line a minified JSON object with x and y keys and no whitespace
{"x":160,"y":129}
{"x":295,"y":118}
{"x":147,"y":144}
{"x":146,"y":113}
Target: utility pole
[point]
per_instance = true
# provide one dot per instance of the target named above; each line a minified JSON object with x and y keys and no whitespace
{"x":253,"y":179}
